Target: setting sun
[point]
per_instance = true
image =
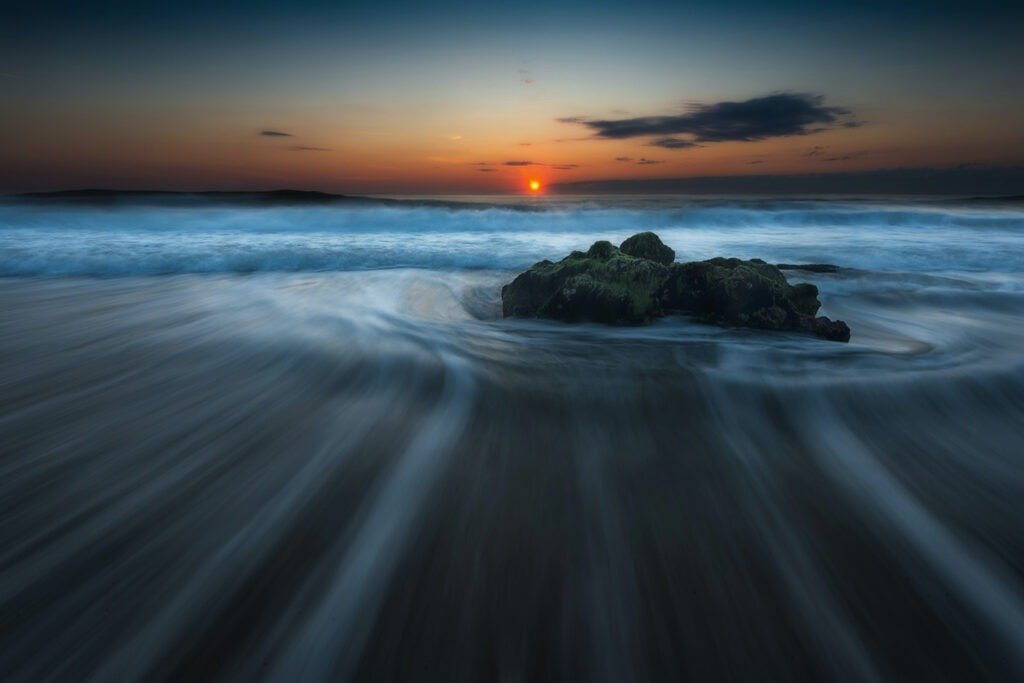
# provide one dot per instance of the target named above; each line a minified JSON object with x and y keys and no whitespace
{"x":534,"y":185}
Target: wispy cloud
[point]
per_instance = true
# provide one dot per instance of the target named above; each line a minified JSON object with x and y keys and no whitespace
{"x":647,"y":162}
{"x":623,"y":158}
{"x":275,"y":134}
{"x":488,"y":165}
{"x":838,"y":156}
{"x":759,"y":118}
{"x":302,"y":148}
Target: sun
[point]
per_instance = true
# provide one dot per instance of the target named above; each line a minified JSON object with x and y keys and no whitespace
{"x":534,"y":186}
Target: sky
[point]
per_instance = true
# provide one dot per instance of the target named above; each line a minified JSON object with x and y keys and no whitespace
{"x":478,"y":97}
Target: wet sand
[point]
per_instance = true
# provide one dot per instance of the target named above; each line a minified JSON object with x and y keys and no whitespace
{"x":368,"y":476}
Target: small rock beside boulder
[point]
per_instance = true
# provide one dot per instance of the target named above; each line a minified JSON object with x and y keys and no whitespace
{"x":638,"y":281}
{"x":809,"y":267}
{"x":730,"y":291}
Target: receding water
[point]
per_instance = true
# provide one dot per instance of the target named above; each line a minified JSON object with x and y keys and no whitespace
{"x":299,"y":443}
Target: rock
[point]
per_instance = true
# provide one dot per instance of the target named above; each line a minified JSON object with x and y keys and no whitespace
{"x":581,"y":297}
{"x":748,"y":294}
{"x":649,"y":246}
{"x":805,"y":298}
{"x":621,"y":286}
{"x":809,"y":267}
{"x":601,"y":285}
{"x":724,"y":290}
{"x":834,"y":330}
{"x":602,"y":250}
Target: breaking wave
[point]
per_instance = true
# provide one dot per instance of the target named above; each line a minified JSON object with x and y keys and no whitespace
{"x":146,"y":240}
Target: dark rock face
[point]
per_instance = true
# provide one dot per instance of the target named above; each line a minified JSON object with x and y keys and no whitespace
{"x":747,"y":294}
{"x":835,"y":330}
{"x":805,"y":298}
{"x":621,"y":286}
{"x":649,"y":246}
{"x":734,"y":292}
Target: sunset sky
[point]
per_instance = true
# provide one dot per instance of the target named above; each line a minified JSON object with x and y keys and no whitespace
{"x":475,"y":97}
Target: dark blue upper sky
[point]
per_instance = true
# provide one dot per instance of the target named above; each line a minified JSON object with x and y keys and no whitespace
{"x":410,"y":96}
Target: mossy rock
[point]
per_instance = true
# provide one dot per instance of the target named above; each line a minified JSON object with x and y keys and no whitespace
{"x":601,"y":285}
{"x":733,"y":291}
{"x":639,"y":281}
{"x":745,"y":293}
{"x":602,"y":250}
{"x":649,"y":246}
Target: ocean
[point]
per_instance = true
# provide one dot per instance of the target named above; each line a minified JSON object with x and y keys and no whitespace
{"x":298,"y":442}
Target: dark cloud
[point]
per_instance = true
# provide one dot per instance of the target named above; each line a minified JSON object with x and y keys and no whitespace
{"x":275,"y":134}
{"x":646,"y":162}
{"x":755,"y":161}
{"x":572,"y":119}
{"x":674,"y":143}
{"x":300,"y":148}
{"x":817,"y":150}
{"x":486,"y":170}
{"x":776,"y":115}
{"x":623,"y":158}
{"x":521,"y":163}
{"x":564,"y":167}
{"x":972,"y":180}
